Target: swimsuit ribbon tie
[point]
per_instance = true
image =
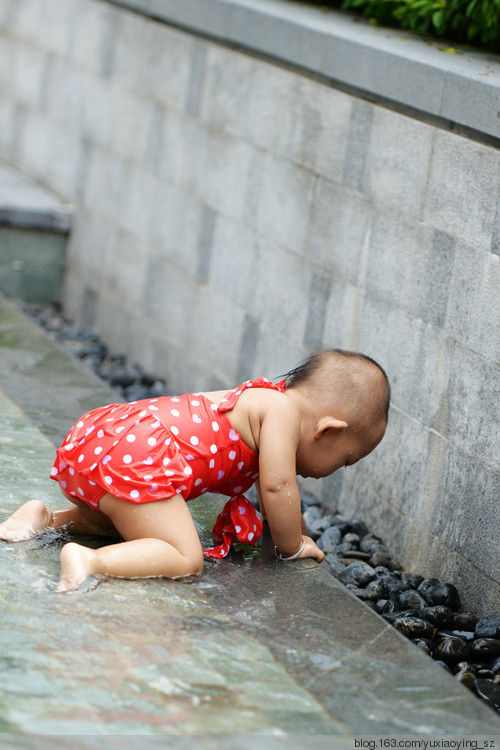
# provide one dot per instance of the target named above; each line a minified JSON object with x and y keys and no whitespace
{"x":239,"y":519}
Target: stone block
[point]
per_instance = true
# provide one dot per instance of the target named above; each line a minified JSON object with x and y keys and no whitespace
{"x":150,"y":59}
{"x":197,"y":75}
{"x":474,"y":302}
{"x":467,"y":497}
{"x":124,"y":263}
{"x":234,"y":261}
{"x":104,"y":183}
{"x":463,"y":189}
{"x":133,"y":118}
{"x":283,"y":209}
{"x":221,"y":177}
{"x":474,"y":392}
{"x":138,"y":194}
{"x":319,"y":294}
{"x":91,"y":243}
{"x":226,"y":90}
{"x":332,"y":138}
{"x":467,"y":99}
{"x":99,"y":121}
{"x":282,"y":284}
{"x":338,"y":229}
{"x":65,"y":86}
{"x":169,"y":302}
{"x":64,"y":160}
{"x":397,"y":162}
{"x":93,"y":35}
{"x":343,"y":316}
{"x":275,"y":353}
{"x":31,"y":140}
{"x":175,"y":227}
{"x":216,"y":334}
{"x":406,"y":256}
{"x":358,"y":144}
{"x":30,"y":76}
{"x":9,"y":51}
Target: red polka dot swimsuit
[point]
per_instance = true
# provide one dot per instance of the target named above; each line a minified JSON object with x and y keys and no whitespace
{"x":155,"y":448}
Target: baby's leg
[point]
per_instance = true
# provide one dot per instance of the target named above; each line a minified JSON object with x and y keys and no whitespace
{"x":34,"y":517}
{"x":161,"y":540}
{"x":26,"y":522}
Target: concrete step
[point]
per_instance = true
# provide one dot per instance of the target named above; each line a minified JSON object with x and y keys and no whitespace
{"x":34,"y":228}
{"x":250,"y":647}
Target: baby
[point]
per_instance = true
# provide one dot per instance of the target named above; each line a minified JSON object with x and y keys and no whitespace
{"x":128,"y":469}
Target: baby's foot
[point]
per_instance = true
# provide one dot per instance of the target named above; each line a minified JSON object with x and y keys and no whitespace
{"x":26,"y":522}
{"x":76,"y":566}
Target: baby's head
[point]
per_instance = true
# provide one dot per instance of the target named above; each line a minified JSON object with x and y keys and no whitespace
{"x":345,"y":399}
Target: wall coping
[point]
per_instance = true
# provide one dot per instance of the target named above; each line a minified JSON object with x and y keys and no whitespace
{"x":399,"y":69}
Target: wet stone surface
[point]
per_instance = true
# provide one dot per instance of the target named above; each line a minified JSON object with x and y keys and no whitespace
{"x":252,"y":646}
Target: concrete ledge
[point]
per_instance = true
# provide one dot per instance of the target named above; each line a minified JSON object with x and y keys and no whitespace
{"x":25,"y":204}
{"x":461,"y":87}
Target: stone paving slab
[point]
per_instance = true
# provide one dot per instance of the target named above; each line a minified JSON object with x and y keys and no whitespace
{"x":249,"y":648}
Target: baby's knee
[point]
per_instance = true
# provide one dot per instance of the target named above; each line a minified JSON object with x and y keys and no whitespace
{"x":193,"y":563}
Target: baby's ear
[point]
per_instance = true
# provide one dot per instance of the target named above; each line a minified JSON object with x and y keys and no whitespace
{"x":327,"y":424}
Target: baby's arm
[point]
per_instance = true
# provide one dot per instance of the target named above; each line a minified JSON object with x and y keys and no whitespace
{"x":279,"y":494}
{"x":263,"y":510}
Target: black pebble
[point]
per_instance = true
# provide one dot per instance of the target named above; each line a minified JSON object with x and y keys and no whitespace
{"x":488,"y":691}
{"x":488,"y":627}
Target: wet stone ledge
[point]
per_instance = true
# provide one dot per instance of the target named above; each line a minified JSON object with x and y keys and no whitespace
{"x":425,"y":610}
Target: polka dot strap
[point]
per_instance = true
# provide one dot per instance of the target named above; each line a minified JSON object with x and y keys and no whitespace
{"x":230,"y":399}
{"x":238,"y":519}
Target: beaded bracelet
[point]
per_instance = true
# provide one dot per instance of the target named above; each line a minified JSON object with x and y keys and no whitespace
{"x":292,"y":557}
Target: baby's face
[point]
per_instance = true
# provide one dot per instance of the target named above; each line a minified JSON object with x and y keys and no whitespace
{"x":335,"y":449}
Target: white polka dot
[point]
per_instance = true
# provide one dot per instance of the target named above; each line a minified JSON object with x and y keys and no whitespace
{"x":80,"y":424}
{"x":152,"y":400}
{"x":115,"y":443}
{"x":188,"y":471}
{"x":134,"y":494}
{"x":126,"y":478}
{"x":238,"y":489}
{"x":119,"y":429}
{"x":189,"y":458}
{"x":81,"y":458}
{"x":175,"y":413}
{"x":130,"y":438}
{"x":197,"y":483}
{"x":212,"y":463}
{"x":220,"y":474}
{"x":232,"y":455}
{"x":69,"y":446}
{"x":142,"y":413}
{"x":204,"y":489}
{"x":214,"y":406}
{"x":153,"y":408}
{"x":153,"y":488}
{"x":195,"y":403}
{"x":165,"y":461}
{"x":100,"y":434}
{"x":127,"y":458}
{"x":233,"y":435}
{"x":154,"y":425}
{"x":174,"y":430}
{"x":237,"y":529}
{"x":92,"y":483}
{"x":64,"y":485}
{"x":194,"y":440}
{"x":106,"y":459}
{"x":182,"y":488}
{"x":169,"y":473}
{"x":71,"y":470}
{"x":80,"y":491}
{"x":196,"y":419}
{"x":151,"y":441}
{"x":168,"y":441}
{"x":148,"y":461}
{"x":250,"y":536}
{"x":213,"y":448}
{"x":175,"y":400}
{"x":89,"y":429}
{"x":93,"y":467}
{"x":254,"y":476}
{"x":53,"y":471}
{"x":241,"y":465}
{"x":242,"y":510}
{"x":98,"y":450}
{"x":215,"y":426}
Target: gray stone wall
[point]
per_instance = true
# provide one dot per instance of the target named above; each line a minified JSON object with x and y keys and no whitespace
{"x":234,"y":215}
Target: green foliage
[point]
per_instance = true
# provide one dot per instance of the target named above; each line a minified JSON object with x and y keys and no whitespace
{"x":475,"y":22}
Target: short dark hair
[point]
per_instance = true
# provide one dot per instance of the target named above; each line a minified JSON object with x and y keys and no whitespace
{"x":305,"y":371}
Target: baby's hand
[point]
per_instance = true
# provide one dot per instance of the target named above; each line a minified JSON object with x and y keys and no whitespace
{"x":311,"y":549}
